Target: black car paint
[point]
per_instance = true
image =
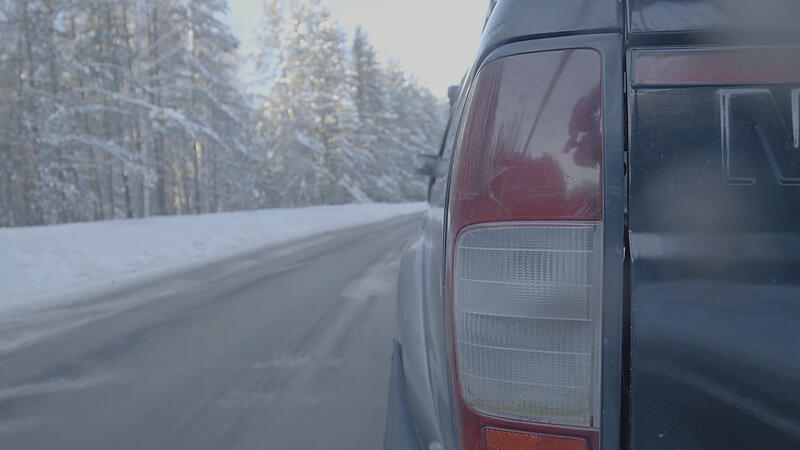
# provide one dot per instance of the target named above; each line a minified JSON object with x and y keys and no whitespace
{"x":711,"y":19}
{"x":714,"y":262}
{"x":715,"y":281}
{"x":517,"y":20}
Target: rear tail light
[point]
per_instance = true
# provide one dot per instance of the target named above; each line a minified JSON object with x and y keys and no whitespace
{"x":525,"y":250}
{"x":502,"y":439}
{"x":525,"y":333}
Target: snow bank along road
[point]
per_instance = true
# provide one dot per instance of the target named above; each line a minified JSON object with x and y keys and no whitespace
{"x":287,"y":347}
{"x":51,"y":264}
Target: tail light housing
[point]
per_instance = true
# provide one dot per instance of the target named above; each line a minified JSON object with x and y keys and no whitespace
{"x":524,"y":243}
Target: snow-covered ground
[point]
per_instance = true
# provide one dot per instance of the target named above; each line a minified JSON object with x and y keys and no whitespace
{"x":40,"y":264}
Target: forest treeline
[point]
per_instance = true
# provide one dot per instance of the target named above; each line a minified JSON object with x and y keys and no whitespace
{"x":129,"y":108}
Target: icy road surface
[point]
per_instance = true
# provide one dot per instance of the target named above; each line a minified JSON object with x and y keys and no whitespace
{"x":284,"y":348}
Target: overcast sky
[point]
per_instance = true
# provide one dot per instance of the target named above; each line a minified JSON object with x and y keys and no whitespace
{"x":434,"y":39}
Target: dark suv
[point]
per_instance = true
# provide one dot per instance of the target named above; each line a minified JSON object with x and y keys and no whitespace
{"x":611,"y":255}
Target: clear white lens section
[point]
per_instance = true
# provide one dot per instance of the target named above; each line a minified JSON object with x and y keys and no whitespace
{"x":527,"y":302}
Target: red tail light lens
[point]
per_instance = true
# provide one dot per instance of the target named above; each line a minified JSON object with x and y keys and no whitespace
{"x":525,"y":248}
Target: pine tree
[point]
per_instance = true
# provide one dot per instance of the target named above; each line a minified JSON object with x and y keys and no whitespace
{"x":368,"y":88}
{"x":307,"y":108}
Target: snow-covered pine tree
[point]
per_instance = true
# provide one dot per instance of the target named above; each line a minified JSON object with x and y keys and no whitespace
{"x":127,"y":108}
{"x":307,"y":111}
{"x":367,"y":79}
{"x":213,"y":102}
{"x":368,"y":83}
{"x":41,"y":181}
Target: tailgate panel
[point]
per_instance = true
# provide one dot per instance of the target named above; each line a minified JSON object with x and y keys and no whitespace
{"x":714,"y":220}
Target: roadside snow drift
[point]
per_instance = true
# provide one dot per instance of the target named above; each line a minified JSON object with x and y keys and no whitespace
{"x":39,"y":263}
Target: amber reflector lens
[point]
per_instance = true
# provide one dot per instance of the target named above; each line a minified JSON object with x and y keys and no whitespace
{"x":514,"y":440}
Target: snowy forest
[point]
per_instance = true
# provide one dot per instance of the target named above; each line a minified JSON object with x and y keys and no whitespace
{"x":116,"y":109}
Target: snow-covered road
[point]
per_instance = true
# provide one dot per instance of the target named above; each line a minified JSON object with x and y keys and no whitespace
{"x":43,"y":265}
{"x":284,"y":347}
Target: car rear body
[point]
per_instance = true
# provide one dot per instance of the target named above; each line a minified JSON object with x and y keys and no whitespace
{"x":683,"y":119}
